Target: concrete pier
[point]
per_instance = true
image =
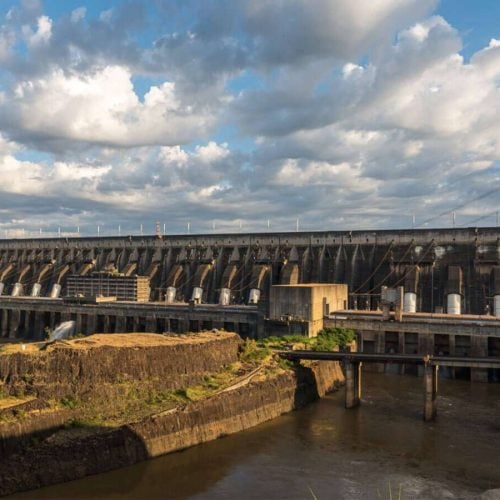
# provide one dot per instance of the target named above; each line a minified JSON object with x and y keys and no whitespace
{"x":352,"y":383}
{"x":431,"y":387}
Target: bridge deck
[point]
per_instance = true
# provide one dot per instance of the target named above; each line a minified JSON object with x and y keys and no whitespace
{"x":425,"y":323}
{"x":356,"y":357}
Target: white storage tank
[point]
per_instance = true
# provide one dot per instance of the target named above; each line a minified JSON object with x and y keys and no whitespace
{"x":56,"y":291}
{"x":170,"y":295}
{"x":225,"y":297}
{"x":454,"y":303}
{"x":17,"y":290}
{"x":410,"y":302}
{"x":197,"y":294}
{"x":496,"y":306}
{"x":35,"y":291}
{"x":254,"y":296}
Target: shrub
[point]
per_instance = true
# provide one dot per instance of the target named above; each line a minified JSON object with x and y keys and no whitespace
{"x":70,"y":402}
{"x":330,"y":338}
{"x":252,"y":353}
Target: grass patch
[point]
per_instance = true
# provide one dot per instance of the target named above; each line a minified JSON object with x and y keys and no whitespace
{"x":253,"y":352}
{"x":328,"y":339}
{"x":70,"y":402}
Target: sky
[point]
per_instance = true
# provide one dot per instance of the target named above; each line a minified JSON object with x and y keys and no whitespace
{"x":239,"y":115}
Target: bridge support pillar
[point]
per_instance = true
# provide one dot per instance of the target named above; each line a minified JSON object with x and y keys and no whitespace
{"x":5,"y":322}
{"x":431,"y":385}
{"x":91,"y":324}
{"x":479,"y":348}
{"x":121,"y":324}
{"x":151,"y":324}
{"x":39,"y":326}
{"x":14,"y":321}
{"x":352,"y":383}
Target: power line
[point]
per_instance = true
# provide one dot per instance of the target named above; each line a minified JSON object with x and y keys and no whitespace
{"x":382,"y":260}
{"x":458,"y":207}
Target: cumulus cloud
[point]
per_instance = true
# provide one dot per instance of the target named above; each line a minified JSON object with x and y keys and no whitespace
{"x":41,"y":35}
{"x":100,"y":108}
{"x":345,"y":114}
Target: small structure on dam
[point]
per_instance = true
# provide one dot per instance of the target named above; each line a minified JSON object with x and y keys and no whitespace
{"x":301,"y":309}
{"x":104,"y":284}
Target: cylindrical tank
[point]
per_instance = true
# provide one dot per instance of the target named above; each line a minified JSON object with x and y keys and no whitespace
{"x":254,"y":296}
{"x":225,"y":297}
{"x":56,"y":291}
{"x":454,"y":303}
{"x":496,"y":306}
{"x":17,"y":290}
{"x":170,"y":295}
{"x":35,"y":291}
{"x":2,"y":286}
{"x":410,"y":302}
{"x":197,"y":294}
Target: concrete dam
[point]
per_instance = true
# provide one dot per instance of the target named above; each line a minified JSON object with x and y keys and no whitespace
{"x":455,"y":271}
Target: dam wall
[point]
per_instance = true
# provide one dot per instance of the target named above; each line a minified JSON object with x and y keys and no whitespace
{"x":241,"y":262}
{"x":455,"y":271}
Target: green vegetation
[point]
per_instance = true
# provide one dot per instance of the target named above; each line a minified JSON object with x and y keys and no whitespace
{"x":254,"y":352}
{"x":70,"y":402}
{"x":328,"y":339}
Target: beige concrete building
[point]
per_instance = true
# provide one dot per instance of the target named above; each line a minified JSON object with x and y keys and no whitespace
{"x":300,"y":309}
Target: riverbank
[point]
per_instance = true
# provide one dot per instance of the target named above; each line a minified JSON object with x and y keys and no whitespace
{"x":243,"y":393}
{"x":383,"y":446}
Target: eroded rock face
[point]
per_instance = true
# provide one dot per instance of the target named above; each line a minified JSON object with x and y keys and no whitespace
{"x":93,"y":366}
{"x":58,"y":460}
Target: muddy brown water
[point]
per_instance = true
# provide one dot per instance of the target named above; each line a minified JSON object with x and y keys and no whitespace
{"x":326,"y":452}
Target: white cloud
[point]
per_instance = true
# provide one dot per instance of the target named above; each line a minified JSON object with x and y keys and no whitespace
{"x":345,"y":112}
{"x":101,"y":107}
{"x":42,"y":34}
{"x":212,"y":152}
{"x":7,"y":40}
{"x":78,"y":14}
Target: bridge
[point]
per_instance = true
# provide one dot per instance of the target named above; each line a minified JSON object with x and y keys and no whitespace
{"x":451,"y":335}
{"x":353,"y":361}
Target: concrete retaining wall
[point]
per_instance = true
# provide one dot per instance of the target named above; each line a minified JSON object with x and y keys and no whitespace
{"x":58,"y":460}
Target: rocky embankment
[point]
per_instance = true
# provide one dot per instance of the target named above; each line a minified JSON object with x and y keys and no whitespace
{"x":90,"y":367}
{"x":70,"y":452}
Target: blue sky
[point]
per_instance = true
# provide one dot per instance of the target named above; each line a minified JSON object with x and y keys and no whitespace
{"x":346,"y":115}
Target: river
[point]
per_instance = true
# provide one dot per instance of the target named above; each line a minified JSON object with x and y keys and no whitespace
{"x":326,"y":452}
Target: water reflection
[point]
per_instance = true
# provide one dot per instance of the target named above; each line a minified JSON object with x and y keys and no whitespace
{"x":337,"y":453}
